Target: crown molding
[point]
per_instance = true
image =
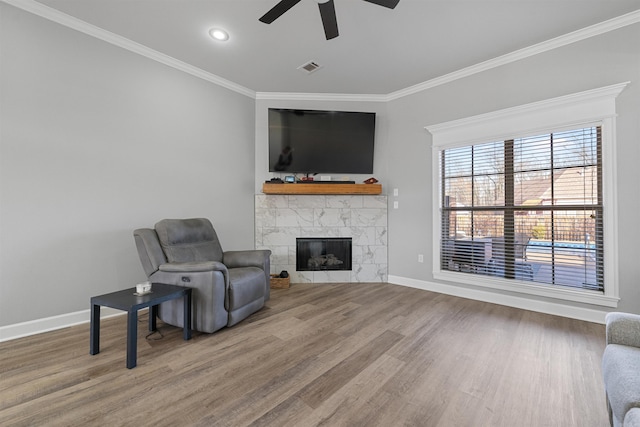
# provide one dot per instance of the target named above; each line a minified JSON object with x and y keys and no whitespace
{"x":292,"y":96}
{"x":61,"y":18}
{"x":564,"y":40}
{"x":576,"y":108}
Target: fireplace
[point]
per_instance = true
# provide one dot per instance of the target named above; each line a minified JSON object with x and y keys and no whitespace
{"x":280,"y":219}
{"x":323,"y":253}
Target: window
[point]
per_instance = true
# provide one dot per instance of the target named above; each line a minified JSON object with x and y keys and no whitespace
{"x":527,"y":209}
{"x":525,"y":199}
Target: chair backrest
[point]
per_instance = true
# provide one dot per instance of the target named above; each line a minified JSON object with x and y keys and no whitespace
{"x":189,"y":240}
{"x":149,"y":250}
{"x":521,"y":241}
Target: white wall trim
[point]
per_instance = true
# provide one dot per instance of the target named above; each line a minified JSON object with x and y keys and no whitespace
{"x":554,"y":308}
{"x":566,"y":39}
{"x":350,"y":97}
{"x":526,"y":120}
{"x":61,"y":18}
{"x":38,"y":326}
{"x":550,"y":115}
{"x":573,"y":37}
{"x":529,"y":288}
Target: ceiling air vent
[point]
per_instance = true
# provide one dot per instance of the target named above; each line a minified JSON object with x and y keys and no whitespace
{"x":309,"y":67}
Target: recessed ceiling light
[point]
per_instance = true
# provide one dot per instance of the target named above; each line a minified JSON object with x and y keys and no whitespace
{"x":219,"y":34}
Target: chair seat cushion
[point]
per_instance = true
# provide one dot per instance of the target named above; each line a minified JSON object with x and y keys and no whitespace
{"x":621,"y":371}
{"x":247,"y":284}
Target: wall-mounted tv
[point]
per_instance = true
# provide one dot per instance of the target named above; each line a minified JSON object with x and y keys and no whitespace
{"x":313,"y":141}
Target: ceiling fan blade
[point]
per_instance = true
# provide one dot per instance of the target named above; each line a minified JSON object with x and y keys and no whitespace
{"x":329,"y":20}
{"x":278,"y":10}
{"x":386,"y":3}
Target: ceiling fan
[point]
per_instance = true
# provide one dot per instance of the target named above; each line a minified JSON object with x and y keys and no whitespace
{"x":327,"y":12}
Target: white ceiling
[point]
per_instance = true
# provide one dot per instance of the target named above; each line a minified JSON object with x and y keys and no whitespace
{"x":379,"y":50}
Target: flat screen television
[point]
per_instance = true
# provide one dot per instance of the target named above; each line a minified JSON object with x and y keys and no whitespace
{"x":313,"y":141}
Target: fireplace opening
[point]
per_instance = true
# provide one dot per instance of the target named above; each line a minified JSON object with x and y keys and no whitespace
{"x":323,"y":253}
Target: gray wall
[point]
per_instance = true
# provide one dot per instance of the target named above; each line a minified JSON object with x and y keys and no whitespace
{"x":599,"y":61}
{"x":96,"y":141}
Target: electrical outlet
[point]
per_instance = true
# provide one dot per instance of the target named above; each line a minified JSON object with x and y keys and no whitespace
{"x":395,"y":205}
{"x":395,"y":192}
{"x":420,"y":258}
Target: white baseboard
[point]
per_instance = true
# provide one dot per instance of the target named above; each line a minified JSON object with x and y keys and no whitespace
{"x":555,"y":308}
{"x":38,"y":326}
{"x":47,"y":324}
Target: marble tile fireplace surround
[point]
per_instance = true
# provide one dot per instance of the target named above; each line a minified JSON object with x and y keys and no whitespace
{"x":280,"y":219}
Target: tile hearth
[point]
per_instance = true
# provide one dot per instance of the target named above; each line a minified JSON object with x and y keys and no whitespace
{"x":280,"y":219}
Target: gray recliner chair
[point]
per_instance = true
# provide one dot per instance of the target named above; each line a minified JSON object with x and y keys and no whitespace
{"x":227,"y":286}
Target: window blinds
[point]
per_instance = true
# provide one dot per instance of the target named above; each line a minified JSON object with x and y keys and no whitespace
{"x":526,"y":209}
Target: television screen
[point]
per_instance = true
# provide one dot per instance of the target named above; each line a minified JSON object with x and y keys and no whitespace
{"x":311,"y":141}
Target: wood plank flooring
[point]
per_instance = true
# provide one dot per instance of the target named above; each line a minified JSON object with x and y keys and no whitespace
{"x":319,"y":355}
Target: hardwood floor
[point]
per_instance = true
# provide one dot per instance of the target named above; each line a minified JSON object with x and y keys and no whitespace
{"x":319,"y":355}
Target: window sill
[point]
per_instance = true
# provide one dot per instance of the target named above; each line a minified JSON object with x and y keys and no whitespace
{"x":518,"y":286}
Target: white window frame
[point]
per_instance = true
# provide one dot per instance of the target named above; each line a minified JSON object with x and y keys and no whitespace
{"x":590,"y":108}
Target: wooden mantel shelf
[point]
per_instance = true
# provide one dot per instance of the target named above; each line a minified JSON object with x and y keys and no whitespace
{"x":320,"y":189}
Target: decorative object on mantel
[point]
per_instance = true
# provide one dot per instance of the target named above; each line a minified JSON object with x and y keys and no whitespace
{"x":371,"y":180}
{"x":279,"y":282}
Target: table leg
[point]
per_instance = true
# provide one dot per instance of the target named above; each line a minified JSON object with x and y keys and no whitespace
{"x":153,"y":314}
{"x":186,"y":330}
{"x":132,"y":338}
{"x":94,"y":332}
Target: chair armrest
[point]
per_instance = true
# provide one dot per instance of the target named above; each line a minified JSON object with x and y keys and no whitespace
{"x":259,"y":258}
{"x":623,"y":329}
{"x":193,"y":267}
{"x":252,"y":258}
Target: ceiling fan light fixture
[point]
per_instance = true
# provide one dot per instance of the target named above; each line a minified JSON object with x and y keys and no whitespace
{"x":327,"y":13}
{"x":219,"y":34}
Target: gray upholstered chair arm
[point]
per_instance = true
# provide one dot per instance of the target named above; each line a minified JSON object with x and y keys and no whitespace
{"x":253,"y":258}
{"x":623,"y":328}
{"x":193,"y":267}
{"x":260,"y":258}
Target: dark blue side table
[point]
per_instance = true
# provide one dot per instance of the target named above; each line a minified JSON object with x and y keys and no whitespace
{"x":126,"y":300}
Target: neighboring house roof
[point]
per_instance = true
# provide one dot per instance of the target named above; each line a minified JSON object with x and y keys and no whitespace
{"x":530,"y":192}
{"x":571,"y":186}
{"x":574,"y":186}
